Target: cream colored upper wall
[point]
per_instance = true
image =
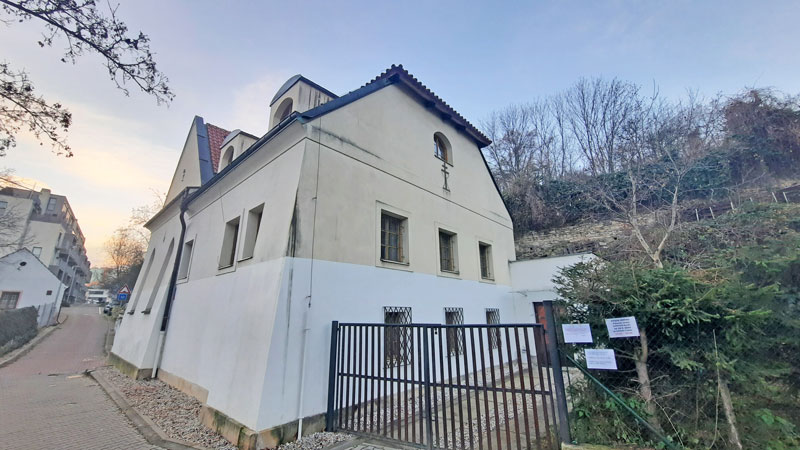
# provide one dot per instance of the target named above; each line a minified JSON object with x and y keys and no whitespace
{"x":392,"y":131}
{"x":45,"y":235}
{"x":379,"y":151}
{"x":304,"y":97}
{"x":187,"y":173}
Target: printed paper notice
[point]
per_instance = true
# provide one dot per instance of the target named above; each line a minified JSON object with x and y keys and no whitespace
{"x":621,"y":327}
{"x":600,"y":358}
{"x":577,"y":333}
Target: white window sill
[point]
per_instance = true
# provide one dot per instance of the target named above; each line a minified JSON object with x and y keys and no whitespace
{"x":396,"y":265}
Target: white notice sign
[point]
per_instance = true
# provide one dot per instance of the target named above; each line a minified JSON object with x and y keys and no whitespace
{"x":600,"y":358}
{"x":621,"y":327}
{"x":577,"y":333}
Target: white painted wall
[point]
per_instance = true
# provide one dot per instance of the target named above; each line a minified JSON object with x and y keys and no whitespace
{"x":238,"y":332}
{"x":33,"y":280}
{"x":532,"y":280}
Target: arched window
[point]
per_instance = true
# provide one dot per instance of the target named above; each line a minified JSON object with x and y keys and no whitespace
{"x":284,"y":109}
{"x":441,"y":148}
{"x":226,"y":159}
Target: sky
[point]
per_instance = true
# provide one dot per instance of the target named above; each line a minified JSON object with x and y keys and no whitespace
{"x":226,"y":59}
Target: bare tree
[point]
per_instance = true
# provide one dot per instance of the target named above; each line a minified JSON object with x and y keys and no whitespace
{"x":85,"y":29}
{"x":125,"y":251}
{"x":597,"y":112}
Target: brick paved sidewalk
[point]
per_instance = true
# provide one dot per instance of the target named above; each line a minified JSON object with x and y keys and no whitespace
{"x":46,"y":402}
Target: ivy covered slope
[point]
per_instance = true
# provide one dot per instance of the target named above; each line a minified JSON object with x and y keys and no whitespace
{"x":718,"y":364}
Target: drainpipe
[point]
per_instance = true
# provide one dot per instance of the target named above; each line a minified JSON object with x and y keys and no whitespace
{"x":172,"y":287}
{"x":300,"y":410}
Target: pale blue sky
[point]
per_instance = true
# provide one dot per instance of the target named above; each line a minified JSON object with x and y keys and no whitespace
{"x":225,"y":60}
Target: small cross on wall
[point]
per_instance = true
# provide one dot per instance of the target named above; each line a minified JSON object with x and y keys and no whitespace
{"x":446,"y":175}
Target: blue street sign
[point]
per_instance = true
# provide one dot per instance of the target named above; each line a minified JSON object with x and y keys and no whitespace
{"x":122,"y":297}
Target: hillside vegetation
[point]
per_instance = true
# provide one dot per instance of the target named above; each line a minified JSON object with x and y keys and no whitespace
{"x":718,"y":362}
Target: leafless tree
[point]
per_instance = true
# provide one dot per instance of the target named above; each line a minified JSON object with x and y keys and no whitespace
{"x":85,"y":28}
{"x":125,"y":251}
{"x":597,"y":112}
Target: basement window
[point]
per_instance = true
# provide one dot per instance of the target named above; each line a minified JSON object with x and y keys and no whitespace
{"x":251,"y":232}
{"x":229,"y":240}
{"x":455,"y":335}
{"x":493,"y":318}
{"x":397,"y":340}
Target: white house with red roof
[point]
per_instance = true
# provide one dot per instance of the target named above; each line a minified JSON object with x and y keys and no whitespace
{"x":374,"y":206}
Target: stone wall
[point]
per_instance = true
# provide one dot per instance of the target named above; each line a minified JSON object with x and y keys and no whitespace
{"x":581,"y":238}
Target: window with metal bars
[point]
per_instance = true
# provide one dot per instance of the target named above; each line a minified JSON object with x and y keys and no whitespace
{"x":397,"y":340}
{"x":392,"y":237}
{"x":493,"y":318}
{"x":455,"y":336}
{"x":447,"y":251}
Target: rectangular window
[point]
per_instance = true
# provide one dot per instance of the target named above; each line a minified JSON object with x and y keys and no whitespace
{"x":51,"y":205}
{"x":493,"y":318}
{"x":251,"y":233}
{"x":485,"y":251}
{"x":3,"y":206}
{"x":397,"y":340}
{"x":393,"y":238}
{"x":447,"y":251}
{"x":455,"y":336}
{"x":229,"y":240}
{"x":37,"y":251}
{"x":186,"y":259}
{"x":8,"y":300}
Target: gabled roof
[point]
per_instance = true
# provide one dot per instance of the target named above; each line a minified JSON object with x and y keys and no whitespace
{"x":397,"y":74}
{"x":292,"y":81}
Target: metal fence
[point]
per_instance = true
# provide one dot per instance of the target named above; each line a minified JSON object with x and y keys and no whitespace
{"x":446,"y":386}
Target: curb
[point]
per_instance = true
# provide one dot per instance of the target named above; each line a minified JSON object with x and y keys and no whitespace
{"x":151,"y":432}
{"x":28,"y":346}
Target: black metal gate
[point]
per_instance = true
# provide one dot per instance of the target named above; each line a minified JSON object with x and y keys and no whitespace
{"x":446,"y":386}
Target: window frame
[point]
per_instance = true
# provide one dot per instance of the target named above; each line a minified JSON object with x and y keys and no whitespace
{"x":3,"y":206}
{"x":455,"y":336}
{"x":33,"y":250}
{"x":448,"y":148}
{"x":16,"y":300}
{"x":400,"y":352}
{"x":250,"y":237}
{"x":406,"y":218}
{"x":186,"y":259}
{"x":454,"y":269}
{"x":230,"y":242}
{"x":489,"y":276}
{"x":493,"y":335}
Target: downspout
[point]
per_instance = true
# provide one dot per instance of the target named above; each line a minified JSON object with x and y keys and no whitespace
{"x":172,"y":287}
{"x":306,"y":325}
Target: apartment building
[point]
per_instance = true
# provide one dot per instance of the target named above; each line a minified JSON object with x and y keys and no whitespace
{"x":45,"y":224}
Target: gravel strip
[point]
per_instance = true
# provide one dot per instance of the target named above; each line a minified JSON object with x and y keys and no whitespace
{"x":316,"y":441}
{"x":177,"y":414}
{"x":171,"y":410}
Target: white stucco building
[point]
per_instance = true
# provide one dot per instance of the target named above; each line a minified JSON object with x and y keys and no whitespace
{"x":26,"y":281}
{"x":374,"y":206}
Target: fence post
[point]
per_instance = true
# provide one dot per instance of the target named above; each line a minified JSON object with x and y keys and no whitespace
{"x":329,"y":417}
{"x":427,"y":380}
{"x":558,"y":376}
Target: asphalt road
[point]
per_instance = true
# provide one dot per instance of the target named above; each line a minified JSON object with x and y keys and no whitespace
{"x":46,"y":400}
